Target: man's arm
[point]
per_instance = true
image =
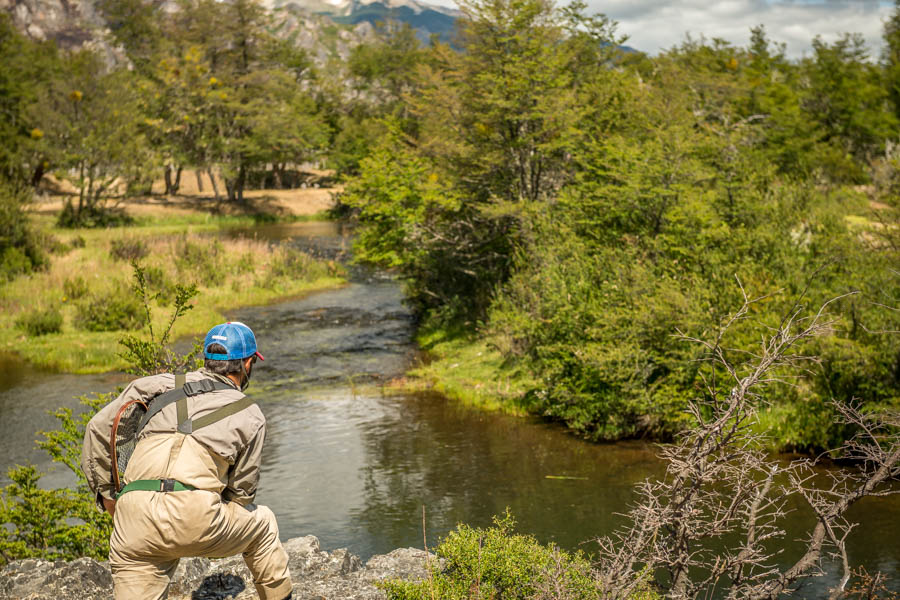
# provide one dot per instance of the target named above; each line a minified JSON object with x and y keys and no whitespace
{"x":96,"y":461}
{"x":243,"y":477}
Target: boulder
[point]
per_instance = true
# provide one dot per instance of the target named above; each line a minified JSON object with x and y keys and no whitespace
{"x":316,"y":574}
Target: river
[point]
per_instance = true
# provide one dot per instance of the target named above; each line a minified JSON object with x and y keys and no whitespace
{"x":354,"y":465}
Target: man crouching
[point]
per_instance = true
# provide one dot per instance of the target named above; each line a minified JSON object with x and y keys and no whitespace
{"x":191,"y":481}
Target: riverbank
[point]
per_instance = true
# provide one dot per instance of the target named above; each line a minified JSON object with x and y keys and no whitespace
{"x":70,"y":316}
{"x":315,"y":574}
{"x":469,"y":369}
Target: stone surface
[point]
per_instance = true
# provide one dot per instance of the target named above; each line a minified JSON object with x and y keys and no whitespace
{"x":316,"y":574}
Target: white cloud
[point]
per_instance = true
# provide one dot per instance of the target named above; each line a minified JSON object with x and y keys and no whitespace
{"x":654,"y":26}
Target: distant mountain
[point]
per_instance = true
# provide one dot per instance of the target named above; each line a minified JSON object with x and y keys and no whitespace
{"x":426,"y":19}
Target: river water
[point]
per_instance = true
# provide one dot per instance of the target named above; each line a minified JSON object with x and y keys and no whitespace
{"x":355,"y":466}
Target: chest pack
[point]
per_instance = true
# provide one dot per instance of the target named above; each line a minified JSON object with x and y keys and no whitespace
{"x":134,"y":415}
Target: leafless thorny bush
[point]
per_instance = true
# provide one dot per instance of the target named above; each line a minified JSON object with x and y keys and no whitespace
{"x":720,"y":487}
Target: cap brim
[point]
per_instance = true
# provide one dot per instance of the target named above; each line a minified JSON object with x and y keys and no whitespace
{"x":259,"y":356}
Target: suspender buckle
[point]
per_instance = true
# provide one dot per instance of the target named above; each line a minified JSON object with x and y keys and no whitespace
{"x":167,"y":485}
{"x":193,"y":388}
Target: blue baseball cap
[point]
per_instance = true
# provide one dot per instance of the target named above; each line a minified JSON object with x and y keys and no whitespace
{"x":237,"y":338}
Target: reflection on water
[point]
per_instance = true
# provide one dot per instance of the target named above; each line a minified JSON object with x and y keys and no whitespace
{"x":28,"y":396}
{"x":364,"y":465}
{"x":354,"y":467}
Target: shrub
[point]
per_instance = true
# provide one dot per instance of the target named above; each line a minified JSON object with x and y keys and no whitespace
{"x":292,"y":263}
{"x":41,"y":321}
{"x":199,"y":261}
{"x":112,"y":311}
{"x":497,"y":563}
{"x":75,"y":287}
{"x":128,"y":249}
{"x":13,"y":262}
{"x":158,"y":284}
{"x":20,"y":252}
{"x":245,"y":264}
{"x":50,"y":524}
{"x":77,"y":242}
{"x":153,"y":355}
{"x":52,"y":244}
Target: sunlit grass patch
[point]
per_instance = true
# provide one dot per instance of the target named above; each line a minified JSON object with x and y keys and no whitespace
{"x":229,"y":273}
{"x":469,"y":369}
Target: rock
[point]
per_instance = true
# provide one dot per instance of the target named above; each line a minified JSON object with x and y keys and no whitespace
{"x":316,"y":574}
{"x":35,"y":579}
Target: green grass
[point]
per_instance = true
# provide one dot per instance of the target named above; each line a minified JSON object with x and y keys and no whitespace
{"x":469,"y":369}
{"x":248,"y":273}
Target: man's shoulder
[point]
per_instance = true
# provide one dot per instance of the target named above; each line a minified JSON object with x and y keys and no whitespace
{"x":152,"y":385}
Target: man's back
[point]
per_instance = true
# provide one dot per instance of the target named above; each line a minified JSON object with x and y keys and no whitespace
{"x":191,"y":481}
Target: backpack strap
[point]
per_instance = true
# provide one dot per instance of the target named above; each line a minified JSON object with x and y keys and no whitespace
{"x":181,"y":392}
{"x":187,"y":425}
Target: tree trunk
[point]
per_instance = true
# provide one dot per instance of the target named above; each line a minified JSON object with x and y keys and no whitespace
{"x":80,"y":192}
{"x":230,"y":189}
{"x":212,"y":181}
{"x":168,"y":178}
{"x":238,"y":185}
{"x":199,"y":176}
{"x":177,"y":183}
{"x":38,"y":174}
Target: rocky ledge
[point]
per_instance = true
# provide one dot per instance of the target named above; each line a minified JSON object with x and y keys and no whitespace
{"x":317,"y":575}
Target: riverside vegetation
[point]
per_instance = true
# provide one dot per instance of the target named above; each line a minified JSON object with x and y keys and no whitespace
{"x":576,"y":225}
{"x":83,"y":299}
{"x":560,"y":209}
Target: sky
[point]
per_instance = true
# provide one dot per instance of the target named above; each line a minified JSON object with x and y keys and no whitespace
{"x":654,"y":25}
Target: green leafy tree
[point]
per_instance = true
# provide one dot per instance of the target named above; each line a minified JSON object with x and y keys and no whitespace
{"x":849,"y":102}
{"x":91,"y":121}
{"x":28,"y":67}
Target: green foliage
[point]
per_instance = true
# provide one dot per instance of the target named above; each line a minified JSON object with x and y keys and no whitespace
{"x":28,"y":66}
{"x":115,"y":309}
{"x":60,"y":523}
{"x":294,"y":264}
{"x":43,"y":521}
{"x":75,"y":287}
{"x":20,"y":251}
{"x":41,"y":321}
{"x":128,"y":249}
{"x":498,"y":563}
{"x":153,"y":355}
{"x":198,"y":262}
{"x":91,"y":133}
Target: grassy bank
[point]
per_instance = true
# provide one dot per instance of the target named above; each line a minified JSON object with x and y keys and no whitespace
{"x":71,"y":315}
{"x":469,"y":369}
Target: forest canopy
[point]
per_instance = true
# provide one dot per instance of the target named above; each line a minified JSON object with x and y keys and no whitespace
{"x":575,"y":206}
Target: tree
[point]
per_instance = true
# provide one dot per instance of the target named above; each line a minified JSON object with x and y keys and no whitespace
{"x":92,"y":126}
{"x":27,"y":68}
{"x":846,"y":97}
{"x":238,"y":93}
{"x":496,"y":125}
{"x":505,"y":110}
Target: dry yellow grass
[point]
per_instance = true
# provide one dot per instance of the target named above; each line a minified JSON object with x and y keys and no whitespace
{"x":192,"y":201}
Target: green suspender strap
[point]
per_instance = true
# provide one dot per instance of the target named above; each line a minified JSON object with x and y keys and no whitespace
{"x":156,"y":485}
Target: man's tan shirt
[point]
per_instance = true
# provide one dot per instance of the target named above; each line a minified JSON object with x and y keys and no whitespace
{"x":223,"y":457}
